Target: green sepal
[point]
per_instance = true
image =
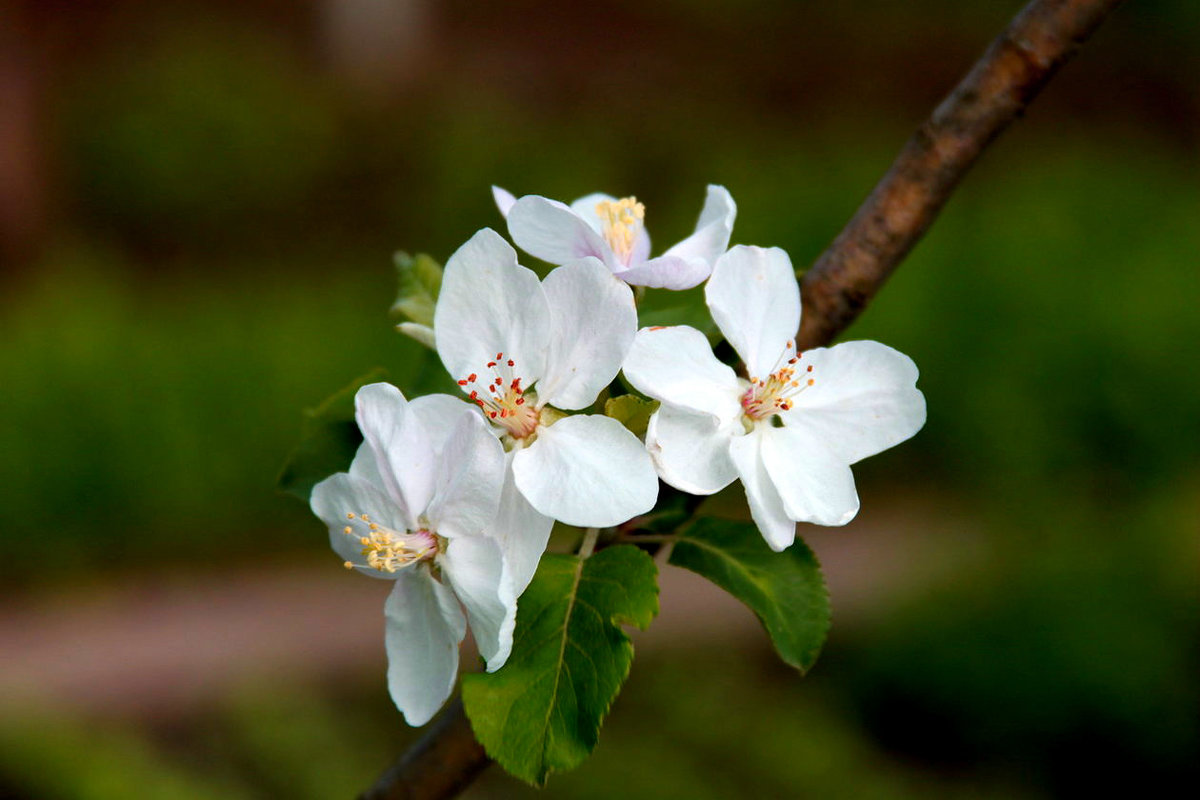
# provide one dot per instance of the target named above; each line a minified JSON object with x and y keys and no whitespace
{"x":420,"y":282}
{"x":542,"y":711}
{"x":631,"y":411}
{"x":786,"y":591}
{"x":328,"y":440}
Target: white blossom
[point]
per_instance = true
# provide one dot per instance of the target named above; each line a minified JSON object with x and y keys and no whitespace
{"x":417,"y":508}
{"x":525,"y":351}
{"x":792,"y":428}
{"x":612,"y":230}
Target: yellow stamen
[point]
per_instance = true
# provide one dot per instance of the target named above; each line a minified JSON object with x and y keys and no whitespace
{"x":621,"y":222}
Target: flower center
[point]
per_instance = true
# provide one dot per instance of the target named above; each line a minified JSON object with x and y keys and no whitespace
{"x":621,"y":222}
{"x":767,"y":397}
{"x":502,"y":398}
{"x":385,"y":549}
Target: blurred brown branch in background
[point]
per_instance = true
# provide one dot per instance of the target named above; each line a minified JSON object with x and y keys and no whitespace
{"x":1015,"y":67}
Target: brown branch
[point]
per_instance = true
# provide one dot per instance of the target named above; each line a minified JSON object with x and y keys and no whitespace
{"x":1015,"y":67}
{"x":442,"y":763}
{"x":1042,"y":37}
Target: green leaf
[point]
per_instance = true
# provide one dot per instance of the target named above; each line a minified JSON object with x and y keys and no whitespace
{"x":542,"y":711}
{"x":328,"y":441}
{"x":420,"y":281}
{"x":785,"y":590}
{"x":631,"y":411}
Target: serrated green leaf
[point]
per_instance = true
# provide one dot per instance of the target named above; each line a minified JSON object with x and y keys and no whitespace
{"x":420,"y":282}
{"x":785,"y":590}
{"x":328,"y":440}
{"x":542,"y":712}
{"x":631,"y":411}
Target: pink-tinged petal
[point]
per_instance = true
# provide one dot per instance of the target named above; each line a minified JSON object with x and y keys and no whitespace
{"x":713,"y":229}
{"x":863,"y":400}
{"x":766,"y":507}
{"x":490,"y":304}
{"x":585,"y":209}
{"x":594,"y":322}
{"x":476,"y":571}
{"x":588,"y":471}
{"x":521,"y":529}
{"x":755,"y":301}
{"x":470,"y":472}
{"x":813,"y":482}
{"x":690,"y":450}
{"x":551,"y":231}
{"x":641,"y":248}
{"x":402,"y":446}
{"x":677,"y":366}
{"x":424,"y":627}
{"x":667,"y":272}
{"x":340,"y":495}
{"x":504,"y":200}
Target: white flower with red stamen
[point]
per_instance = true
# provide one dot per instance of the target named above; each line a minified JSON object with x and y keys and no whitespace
{"x":612,"y":230}
{"x":793,"y":428}
{"x":525,"y":351}
{"x":417,"y":508}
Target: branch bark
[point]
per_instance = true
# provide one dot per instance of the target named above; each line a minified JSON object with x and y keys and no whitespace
{"x":1011,"y":72}
{"x":1015,"y":67}
{"x":441,"y":764}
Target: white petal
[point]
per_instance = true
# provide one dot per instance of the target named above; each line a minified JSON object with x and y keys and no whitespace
{"x":813,"y":482}
{"x":551,"y":231}
{"x":585,"y":209}
{"x":691,"y":451}
{"x":422,"y":333}
{"x":594,"y":322}
{"x":475,"y":569}
{"x":341,"y":494}
{"x":423,"y":630}
{"x":521,"y":529}
{"x":470,"y":472}
{"x":713,"y":229}
{"x":766,"y":507}
{"x":677,"y":366}
{"x":588,"y":471}
{"x":504,"y":200}
{"x":402,"y":446}
{"x":863,"y":400}
{"x":490,"y":304}
{"x":439,"y":415}
{"x":666,"y":272}
{"x":755,"y":301}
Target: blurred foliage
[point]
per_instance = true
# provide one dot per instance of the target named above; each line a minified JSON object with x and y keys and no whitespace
{"x":748,"y":728}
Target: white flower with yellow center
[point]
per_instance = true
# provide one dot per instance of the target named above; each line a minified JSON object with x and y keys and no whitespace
{"x":790,"y":430}
{"x":417,"y":508}
{"x":613,"y":231}
{"x":525,"y":351}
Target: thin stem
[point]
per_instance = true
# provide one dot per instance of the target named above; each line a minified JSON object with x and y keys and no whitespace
{"x":589,"y":542}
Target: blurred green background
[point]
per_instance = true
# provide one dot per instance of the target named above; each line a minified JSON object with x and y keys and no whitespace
{"x":198,"y":204}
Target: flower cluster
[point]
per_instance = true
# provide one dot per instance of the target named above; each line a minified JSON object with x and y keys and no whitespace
{"x":453,"y":499}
